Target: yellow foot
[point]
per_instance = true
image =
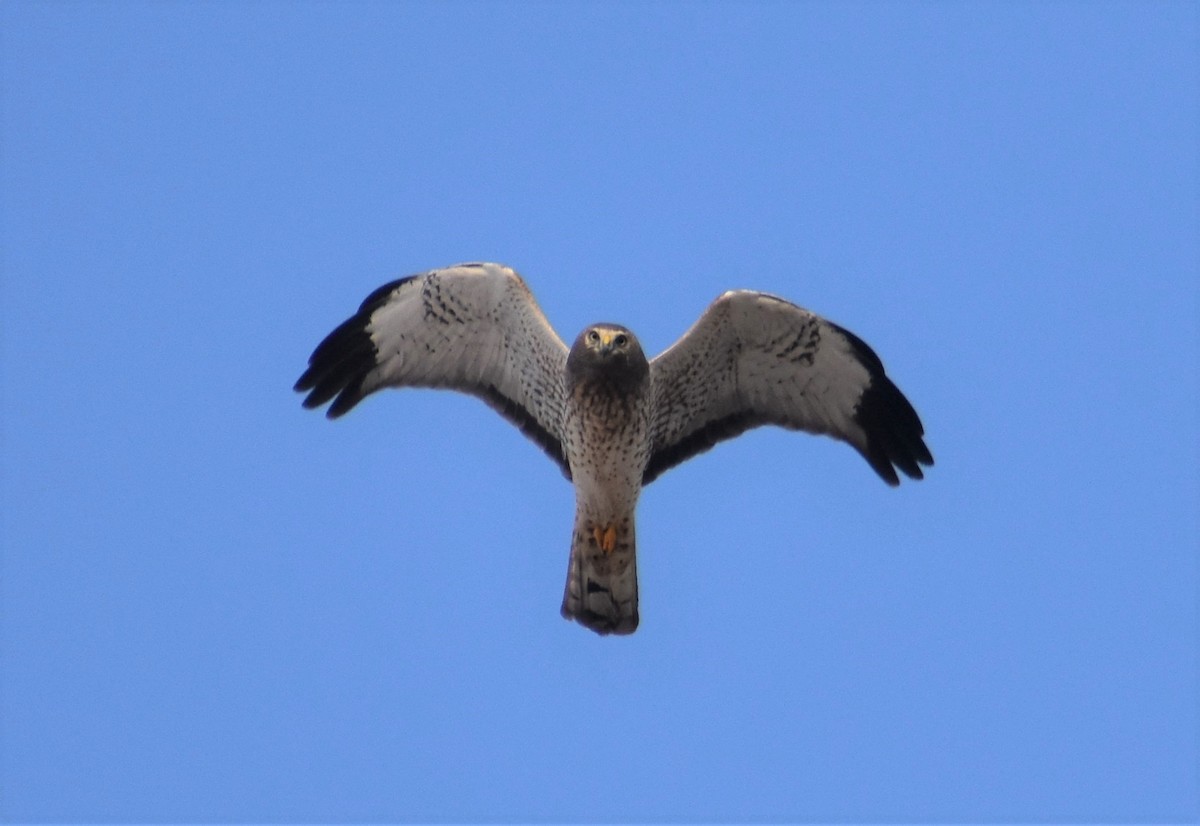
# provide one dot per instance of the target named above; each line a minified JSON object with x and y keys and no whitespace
{"x":606,"y":538}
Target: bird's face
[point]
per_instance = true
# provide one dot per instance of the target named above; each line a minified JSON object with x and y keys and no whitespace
{"x":608,"y":339}
{"x":604,"y":342}
{"x":609,"y":348}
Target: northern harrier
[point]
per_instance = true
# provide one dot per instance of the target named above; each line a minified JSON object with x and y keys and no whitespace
{"x":612,"y":420}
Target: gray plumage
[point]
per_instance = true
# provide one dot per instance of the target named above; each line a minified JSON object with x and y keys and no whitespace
{"x":609,"y":418}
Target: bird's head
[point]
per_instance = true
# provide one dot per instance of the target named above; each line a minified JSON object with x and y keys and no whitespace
{"x":611,"y":350}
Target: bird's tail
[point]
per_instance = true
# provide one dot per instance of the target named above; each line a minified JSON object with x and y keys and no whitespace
{"x":602,"y":591}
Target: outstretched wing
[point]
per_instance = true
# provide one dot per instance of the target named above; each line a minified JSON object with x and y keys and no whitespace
{"x":470,"y":327}
{"x":754,"y":359}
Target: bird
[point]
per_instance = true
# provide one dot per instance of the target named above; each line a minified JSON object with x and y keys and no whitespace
{"x":611,"y":419}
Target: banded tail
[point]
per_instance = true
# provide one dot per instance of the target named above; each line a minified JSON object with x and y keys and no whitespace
{"x":602,"y":591}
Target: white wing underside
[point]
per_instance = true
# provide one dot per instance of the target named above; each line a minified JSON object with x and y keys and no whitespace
{"x":754,"y":359}
{"x":472,"y":327}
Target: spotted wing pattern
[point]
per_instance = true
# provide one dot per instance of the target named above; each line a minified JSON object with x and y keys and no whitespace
{"x":472,"y":327}
{"x":754,"y":359}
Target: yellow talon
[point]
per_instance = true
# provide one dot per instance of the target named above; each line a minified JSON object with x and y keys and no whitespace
{"x":606,"y":538}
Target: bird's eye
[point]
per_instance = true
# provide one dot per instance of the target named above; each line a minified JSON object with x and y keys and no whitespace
{"x":621,"y":340}
{"x":593,"y":336}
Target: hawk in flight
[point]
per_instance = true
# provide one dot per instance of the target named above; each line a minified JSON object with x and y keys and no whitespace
{"x":610,"y":418}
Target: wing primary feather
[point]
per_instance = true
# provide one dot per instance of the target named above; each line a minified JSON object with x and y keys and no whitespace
{"x":348,"y":340}
{"x":893,"y":431}
{"x":893,"y":428}
{"x":380,"y":296}
{"x":341,"y":361}
{"x":861,"y":349}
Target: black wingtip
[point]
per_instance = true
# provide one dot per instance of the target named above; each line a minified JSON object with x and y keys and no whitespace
{"x":342,"y":361}
{"x":380,"y":296}
{"x":894,"y":433}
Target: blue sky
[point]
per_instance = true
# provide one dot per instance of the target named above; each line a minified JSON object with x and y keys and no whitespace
{"x":219,"y":606}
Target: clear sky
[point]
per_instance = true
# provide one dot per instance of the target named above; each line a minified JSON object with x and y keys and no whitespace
{"x":219,"y":606}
